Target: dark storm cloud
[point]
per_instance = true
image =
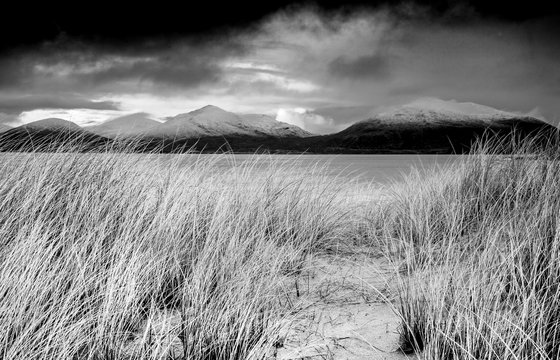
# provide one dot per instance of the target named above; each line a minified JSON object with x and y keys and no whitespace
{"x":165,"y":71}
{"x":369,"y":66}
{"x":68,"y":63}
{"x":14,"y":71}
{"x":17,"y":104}
{"x":119,"y":22}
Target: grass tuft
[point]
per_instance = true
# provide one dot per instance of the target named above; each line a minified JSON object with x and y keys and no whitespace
{"x":478,"y":245}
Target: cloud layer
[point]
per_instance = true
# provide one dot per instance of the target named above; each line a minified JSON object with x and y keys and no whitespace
{"x":318,"y":69}
{"x":20,"y":103}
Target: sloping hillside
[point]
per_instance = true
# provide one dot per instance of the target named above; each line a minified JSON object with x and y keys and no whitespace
{"x":133,"y":125}
{"x":51,"y":134}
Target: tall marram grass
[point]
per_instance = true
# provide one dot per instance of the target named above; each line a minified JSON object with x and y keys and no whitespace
{"x":101,"y":251}
{"x":95,"y":249}
{"x":478,"y":245}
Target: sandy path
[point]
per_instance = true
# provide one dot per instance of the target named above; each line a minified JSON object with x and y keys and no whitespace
{"x":344,"y":313}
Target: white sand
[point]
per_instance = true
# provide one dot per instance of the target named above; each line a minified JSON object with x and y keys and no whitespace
{"x":346,"y":311}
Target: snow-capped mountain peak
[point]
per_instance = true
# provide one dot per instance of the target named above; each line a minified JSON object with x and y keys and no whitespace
{"x":52,"y":124}
{"x":211,"y":121}
{"x":131,"y":125}
{"x":427,"y":109}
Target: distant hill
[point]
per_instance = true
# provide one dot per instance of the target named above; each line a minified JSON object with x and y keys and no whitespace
{"x":211,"y":121}
{"x":51,"y":134}
{"x":52,"y":124}
{"x":431,"y":126}
{"x":133,"y":125}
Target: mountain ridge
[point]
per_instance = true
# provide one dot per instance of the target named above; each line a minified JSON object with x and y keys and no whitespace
{"x":423,"y":126}
{"x":132,"y":125}
{"x":435,"y":126}
{"x":52,"y":123}
{"x":211,"y":121}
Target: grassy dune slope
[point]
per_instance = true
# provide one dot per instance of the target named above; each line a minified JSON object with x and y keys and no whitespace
{"x":479,"y":254}
{"x":94,"y":247}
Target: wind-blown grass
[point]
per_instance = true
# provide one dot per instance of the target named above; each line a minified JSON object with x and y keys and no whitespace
{"x":99,"y":252}
{"x":479,"y":252}
{"x":94,"y":247}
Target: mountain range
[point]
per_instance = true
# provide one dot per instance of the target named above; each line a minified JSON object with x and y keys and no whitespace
{"x":423,"y":126}
{"x":212,"y":121}
{"x":205,"y":122}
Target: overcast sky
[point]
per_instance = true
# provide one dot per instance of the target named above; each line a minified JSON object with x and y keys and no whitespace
{"x":318,"y":68}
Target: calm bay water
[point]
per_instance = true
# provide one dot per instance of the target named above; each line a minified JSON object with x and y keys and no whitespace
{"x":380,"y":169}
{"x":383,"y":169}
